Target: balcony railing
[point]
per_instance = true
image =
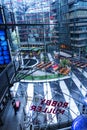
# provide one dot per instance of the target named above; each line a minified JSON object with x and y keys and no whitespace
{"x":78,"y":7}
{"x":79,"y":39}
{"x":77,"y":24}
{"x":76,"y":32}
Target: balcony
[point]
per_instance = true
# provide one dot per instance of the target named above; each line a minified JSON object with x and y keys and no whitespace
{"x":77,"y":24}
{"x":55,"y":21}
{"x":55,"y":36}
{"x":78,"y":16}
{"x":79,"y":45}
{"x":54,"y":14}
{"x":53,"y":8}
{"x":71,"y":1}
{"x":78,"y":8}
{"x":78,"y":39}
{"x":56,"y":32}
{"x":78,"y":32}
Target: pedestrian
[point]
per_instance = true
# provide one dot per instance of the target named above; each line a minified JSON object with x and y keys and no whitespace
{"x":16,"y":105}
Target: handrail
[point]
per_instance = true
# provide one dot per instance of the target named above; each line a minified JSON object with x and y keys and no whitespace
{"x":67,"y":128}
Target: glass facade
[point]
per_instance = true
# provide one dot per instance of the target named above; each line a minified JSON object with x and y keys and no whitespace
{"x":55,"y":23}
{"x":76,"y":17}
{"x":41,"y":30}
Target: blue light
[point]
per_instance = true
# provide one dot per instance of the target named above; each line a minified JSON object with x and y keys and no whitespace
{"x":6,"y":57}
{"x":80,"y":123}
{"x":2,"y":38}
{"x":1,"y":62}
{"x":1,"y":58}
{"x":2,"y":32}
{"x":5,"y":48}
{"x":4,"y":43}
{"x":0,"y":53}
{"x":0,"y":20}
{"x":5,"y":52}
{"x":7,"y":61}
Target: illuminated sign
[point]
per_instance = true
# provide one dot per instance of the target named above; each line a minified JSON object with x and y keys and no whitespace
{"x":52,"y":107}
{"x":4,"y":48}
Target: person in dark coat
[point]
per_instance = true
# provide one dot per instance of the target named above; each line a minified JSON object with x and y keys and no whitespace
{"x":16,"y":105}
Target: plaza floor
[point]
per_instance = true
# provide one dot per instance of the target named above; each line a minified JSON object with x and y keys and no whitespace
{"x":40,"y":98}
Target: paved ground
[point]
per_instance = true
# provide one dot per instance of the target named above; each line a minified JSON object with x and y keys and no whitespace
{"x":71,"y":90}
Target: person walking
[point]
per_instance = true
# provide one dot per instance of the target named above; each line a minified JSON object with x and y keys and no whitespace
{"x":16,"y":105}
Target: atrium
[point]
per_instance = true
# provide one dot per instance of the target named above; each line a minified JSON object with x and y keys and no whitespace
{"x":43,"y":64}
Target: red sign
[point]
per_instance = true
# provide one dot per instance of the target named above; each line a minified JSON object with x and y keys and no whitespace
{"x":53,"y":107}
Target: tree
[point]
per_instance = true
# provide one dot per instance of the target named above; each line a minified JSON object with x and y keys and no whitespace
{"x":64,"y":62}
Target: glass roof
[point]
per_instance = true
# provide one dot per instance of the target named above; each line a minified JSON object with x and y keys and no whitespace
{"x":29,"y":6}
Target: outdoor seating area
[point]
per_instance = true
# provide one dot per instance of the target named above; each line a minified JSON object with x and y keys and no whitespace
{"x":50,"y":67}
{"x":43,"y":65}
{"x":64,"y":71}
{"x":79,"y":63}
